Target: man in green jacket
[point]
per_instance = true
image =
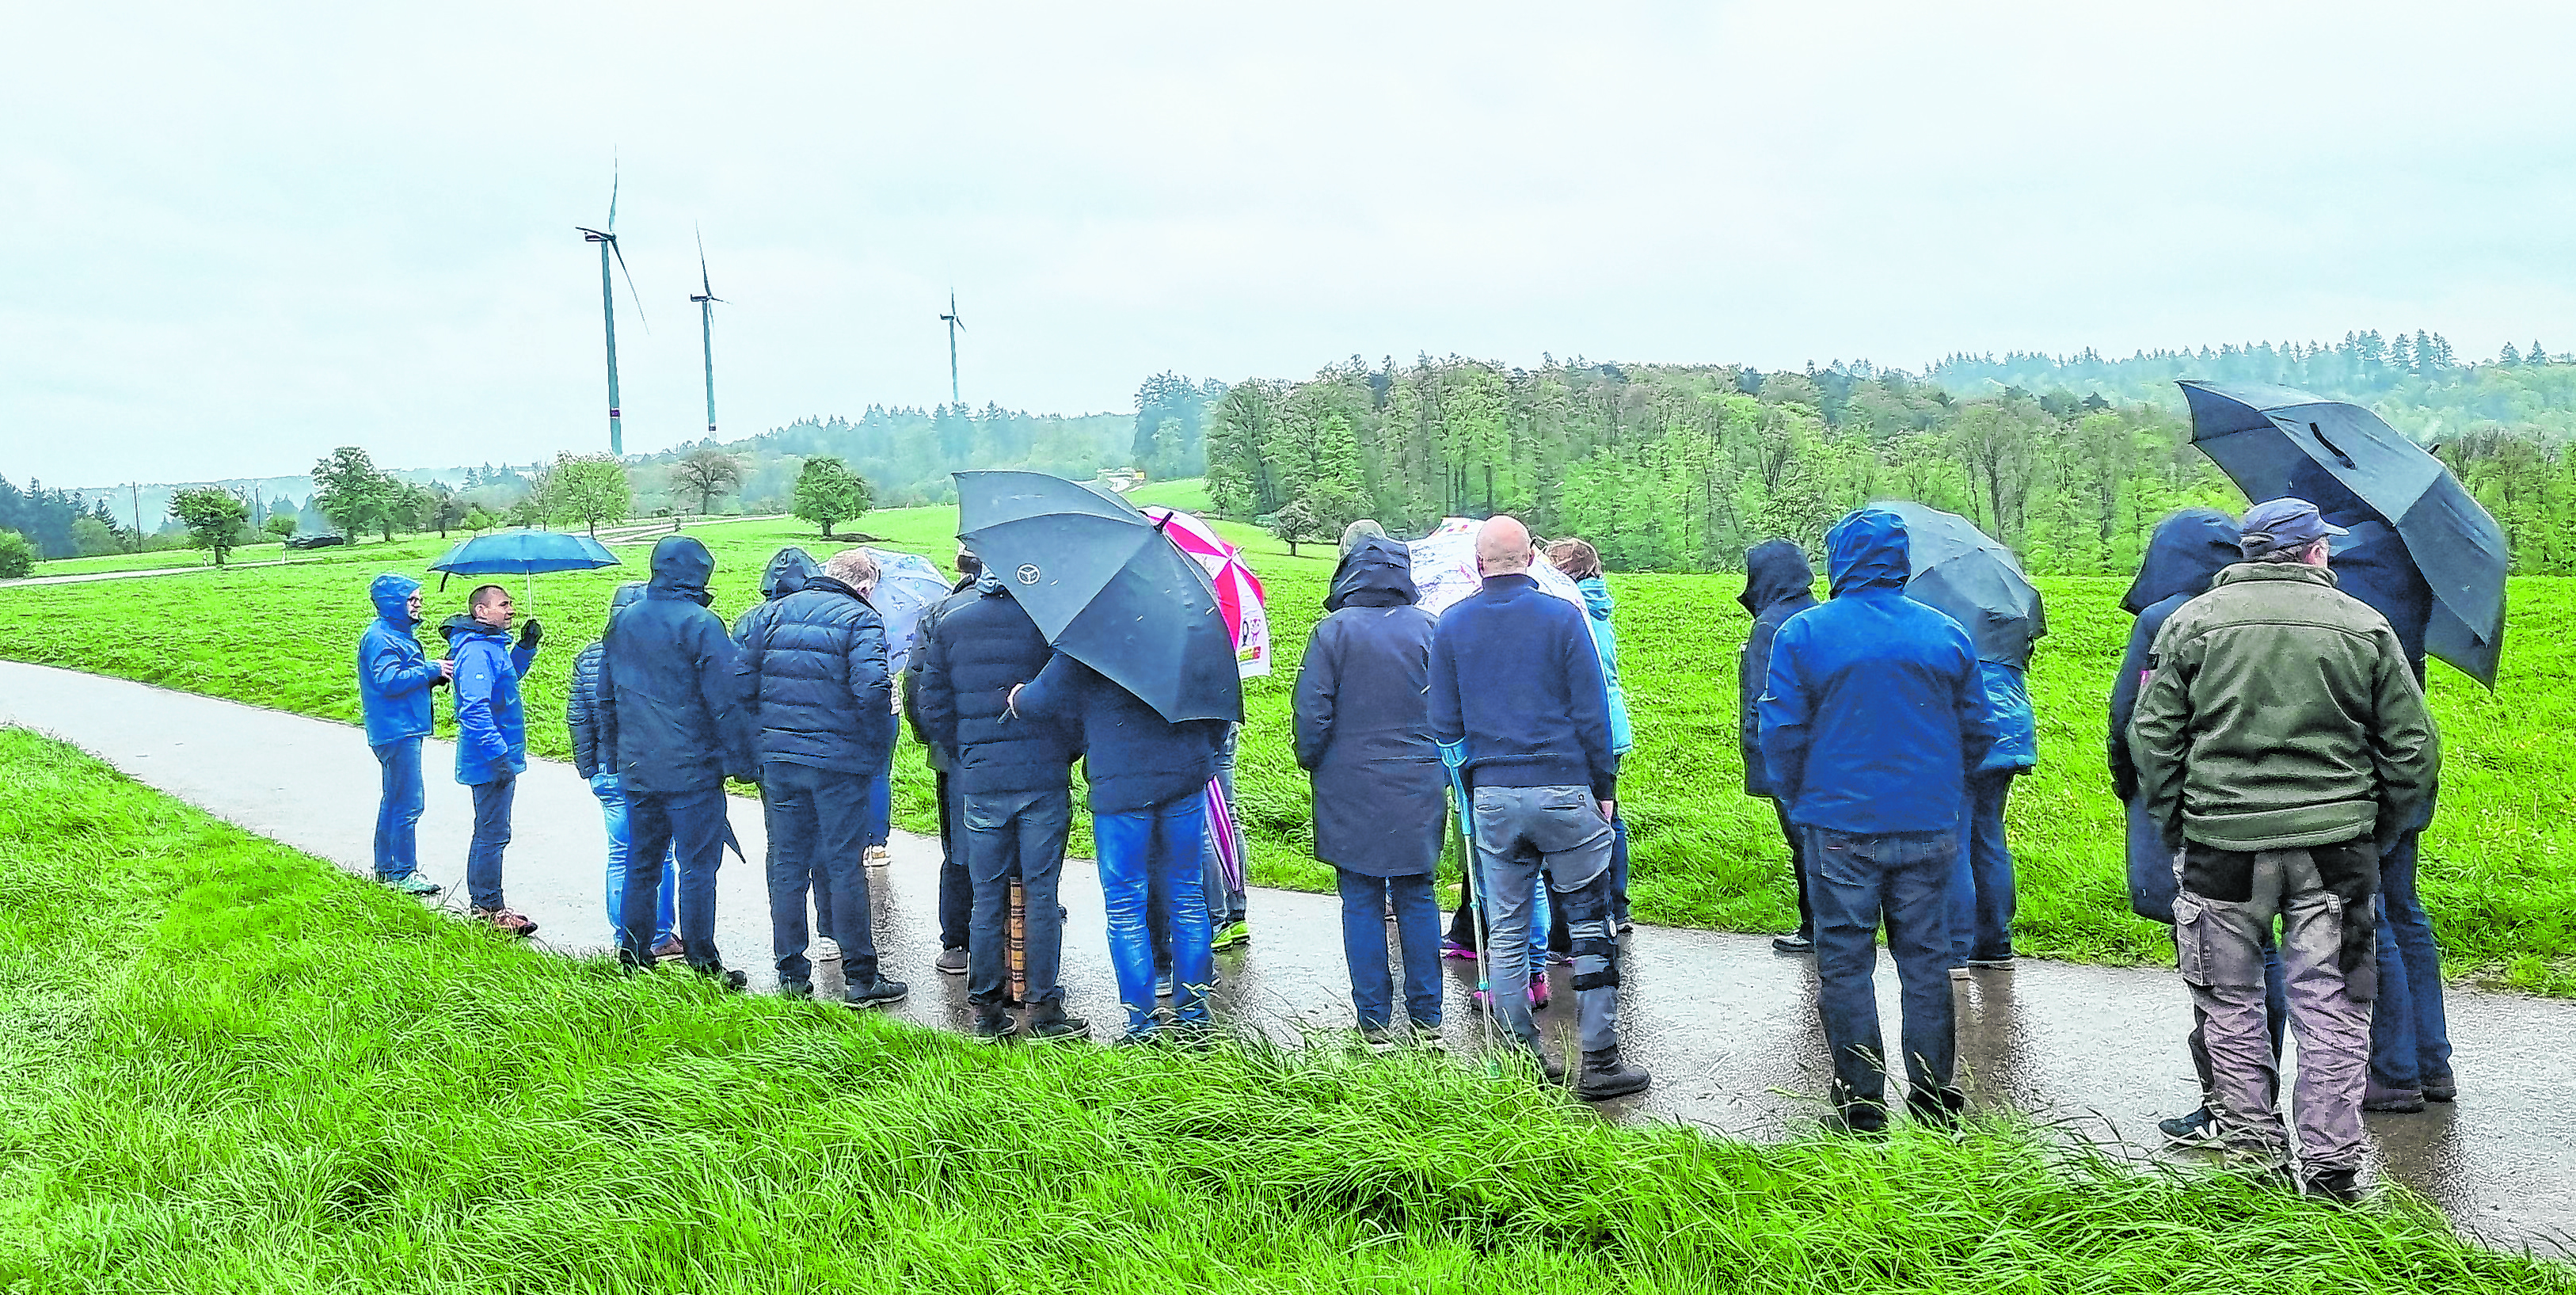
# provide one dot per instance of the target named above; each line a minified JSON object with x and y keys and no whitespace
{"x":2279,"y":737}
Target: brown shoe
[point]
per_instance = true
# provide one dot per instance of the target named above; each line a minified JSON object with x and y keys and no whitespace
{"x":508,"y":921}
{"x":669,"y":949}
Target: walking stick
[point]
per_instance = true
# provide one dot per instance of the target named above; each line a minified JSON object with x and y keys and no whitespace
{"x":1017,"y":928}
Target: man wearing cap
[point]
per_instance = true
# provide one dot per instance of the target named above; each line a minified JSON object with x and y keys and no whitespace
{"x":2280,"y":739}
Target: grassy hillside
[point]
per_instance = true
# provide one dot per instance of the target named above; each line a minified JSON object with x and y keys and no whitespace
{"x":2497,"y":870}
{"x":229,"y":1067}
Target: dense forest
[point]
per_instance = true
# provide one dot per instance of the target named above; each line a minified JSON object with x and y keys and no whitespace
{"x":1682,"y":467}
{"x":906,"y":454}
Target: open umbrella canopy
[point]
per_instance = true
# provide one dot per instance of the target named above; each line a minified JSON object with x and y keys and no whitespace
{"x":1973,"y":579}
{"x":1239,"y":595}
{"x":907,"y":586}
{"x":1106,"y":587}
{"x":1445,"y":570}
{"x":2273,"y":441}
{"x":520,"y":553}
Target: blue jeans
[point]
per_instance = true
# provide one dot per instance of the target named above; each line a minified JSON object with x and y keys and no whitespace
{"x":1857,"y":882}
{"x":819,"y":821}
{"x":1164,"y":841}
{"x":491,"y":837}
{"x":398,"y":814}
{"x":612,"y":808}
{"x":1417,"y":933}
{"x":2410,"y":1035}
{"x":1981,"y":881}
{"x":1018,"y":834}
{"x":689,"y":828}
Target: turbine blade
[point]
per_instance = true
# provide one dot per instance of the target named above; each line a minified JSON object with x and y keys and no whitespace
{"x":612,"y":190}
{"x":703,"y":283}
{"x":631,"y":293}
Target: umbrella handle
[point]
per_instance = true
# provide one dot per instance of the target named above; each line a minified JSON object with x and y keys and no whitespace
{"x":2331,"y":447}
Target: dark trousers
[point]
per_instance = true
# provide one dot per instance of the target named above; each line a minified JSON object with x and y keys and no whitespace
{"x":398,"y":812}
{"x":819,"y":821}
{"x":956,"y":879}
{"x":1015,"y":834}
{"x":1981,"y":884}
{"x":688,"y":828}
{"x":1417,"y":935}
{"x":2410,"y":1033}
{"x":491,"y":837}
{"x":1902,"y":880}
{"x":1798,"y":869}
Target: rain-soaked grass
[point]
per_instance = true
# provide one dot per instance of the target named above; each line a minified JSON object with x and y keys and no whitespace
{"x":225,"y":1066}
{"x":2499,"y":866}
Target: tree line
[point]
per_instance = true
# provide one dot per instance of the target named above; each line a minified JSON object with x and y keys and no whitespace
{"x":1683,"y":467}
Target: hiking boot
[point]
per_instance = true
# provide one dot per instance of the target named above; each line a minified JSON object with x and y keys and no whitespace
{"x":1941,"y":1107}
{"x":2198,"y":1129}
{"x":669,"y":950}
{"x":2342,"y":1186}
{"x":951,"y":962}
{"x":824,"y":949}
{"x":506,"y":921}
{"x":1538,"y":993}
{"x":1058,"y":1028}
{"x":732,"y":982}
{"x":2441,"y":1088}
{"x":1798,"y":942}
{"x":878,"y":992}
{"x":879,"y":856}
{"x":412,"y":883}
{"x":2392,"y":1101}
{"x":1606,"y":1077}
{"x":795,"y":989}
{"x":992,"y":1026}
{"x":1232,"y":935}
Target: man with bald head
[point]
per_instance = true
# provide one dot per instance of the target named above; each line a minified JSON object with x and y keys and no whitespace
{"x":1518,"y":708}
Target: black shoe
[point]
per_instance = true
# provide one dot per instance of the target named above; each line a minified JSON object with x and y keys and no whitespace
{"x":1865,"y":1120}
{"x":732,"y":982}
{"x":1798,"y":943}
{"x":1606,"y":1077}
{"x":2198,"y":1129}
{"x":1941,"y":1107}
{"x":993,"y":1027}
{"x":2442,"y":1088}
{"x":2392,"y":1101}
{"x":951,"y":961}
{"x":1059,"y":1028}
{"x":2342,"y":1186}
{"x":879,"y":992}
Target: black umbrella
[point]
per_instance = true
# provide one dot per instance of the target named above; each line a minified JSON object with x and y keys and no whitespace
{"x":2269,"y":439}
{"x":1106,"y":587}
{"x":1973,"y":579}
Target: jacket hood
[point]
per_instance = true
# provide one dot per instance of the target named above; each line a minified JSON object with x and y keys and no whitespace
{"x":1596,"y":597}
{"x":1377,"y":572}
{"x":391,"y":593}
{"x":1775,"y":572}
{"x":462,"y":625}
{"x":988,"y":584}
{"x":2187,"y":551}
{"x":788,"y":571}
{"x":681,"y":566}
{"x":627,"y":594}
{"x":1867,"y":549}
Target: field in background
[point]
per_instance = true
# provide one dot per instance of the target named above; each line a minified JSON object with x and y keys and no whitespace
{"x":2500,"y":861}
{"x":230,"y":1067}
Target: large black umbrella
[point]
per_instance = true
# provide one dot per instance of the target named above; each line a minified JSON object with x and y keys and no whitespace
{"x":1106,"y":587}
{"x":1974,"y":580}
{"x":2271,"y":439}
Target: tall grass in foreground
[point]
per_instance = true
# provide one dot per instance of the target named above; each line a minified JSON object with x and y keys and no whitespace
{"x":228,"y":1067}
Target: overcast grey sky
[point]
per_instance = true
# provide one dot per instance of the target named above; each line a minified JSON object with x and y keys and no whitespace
{"x":237,"y":236}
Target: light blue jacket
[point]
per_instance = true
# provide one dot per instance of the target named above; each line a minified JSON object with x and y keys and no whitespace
{"x":394,"y":675}
{"x":1605,"y":640}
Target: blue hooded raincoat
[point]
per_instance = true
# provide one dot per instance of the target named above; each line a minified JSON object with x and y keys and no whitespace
{"x":394,"y":674}
{"x":491,"y":726}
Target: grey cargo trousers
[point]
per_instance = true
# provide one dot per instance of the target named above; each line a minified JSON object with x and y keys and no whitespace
{"x":1519,"y":831}
{"x":2227,"y":902}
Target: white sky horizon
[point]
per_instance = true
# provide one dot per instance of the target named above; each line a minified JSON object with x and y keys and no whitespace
{"x":236,"y":239}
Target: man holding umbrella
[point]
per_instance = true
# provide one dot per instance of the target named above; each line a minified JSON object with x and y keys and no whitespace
{"x":2282,"y":743}
{"x":491,"y":740}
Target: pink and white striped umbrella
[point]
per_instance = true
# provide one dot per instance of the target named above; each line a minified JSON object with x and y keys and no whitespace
{"x":1238,"y":592}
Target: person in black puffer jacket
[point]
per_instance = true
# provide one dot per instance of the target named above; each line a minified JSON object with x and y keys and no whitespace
{"x":581,"y":716}
{"x":1013,"y":781}
{"x":956,"y":889}
{"x":1778,"y":584}
{"x":814,"y":669}
{"x":1148,"y":780}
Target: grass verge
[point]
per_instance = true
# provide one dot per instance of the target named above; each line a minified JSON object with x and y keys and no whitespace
{"x":229,"y":1067}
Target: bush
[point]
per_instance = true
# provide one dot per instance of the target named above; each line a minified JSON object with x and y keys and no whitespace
{"x":17,"y":556}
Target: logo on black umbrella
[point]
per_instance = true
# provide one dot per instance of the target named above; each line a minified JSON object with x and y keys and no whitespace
{"x":1029,"y":573}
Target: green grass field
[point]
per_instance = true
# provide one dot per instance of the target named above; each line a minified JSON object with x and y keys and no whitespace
{"x":225,"y":1066}
{"x":2500,"y":862}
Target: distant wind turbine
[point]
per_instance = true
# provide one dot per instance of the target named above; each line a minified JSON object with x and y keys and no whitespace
{"x":707,"y":299}
{"x":954,"y":323}
{"x":607,"y":240}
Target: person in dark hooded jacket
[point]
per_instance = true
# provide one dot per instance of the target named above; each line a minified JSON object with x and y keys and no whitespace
{"x":581,"y":717}
{"x":1013,"y":779}
{"x":956,"y":885}
{"x":394,"y":680}
{"x":491,"y":740}
{"x":815,"y":671}
{"x":1380,"y":794}
{"x":1778,"y":584}
{"x":788,"y":570}
{"x":674,"y":724}
{"x":1872,"y":719}
{"x":2410,"y":1035}
{"x":2185,"y":553}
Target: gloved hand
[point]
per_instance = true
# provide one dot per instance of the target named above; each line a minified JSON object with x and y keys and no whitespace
{"x":529,"y":633}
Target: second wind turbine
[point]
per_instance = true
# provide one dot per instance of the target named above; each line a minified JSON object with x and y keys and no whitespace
{"x":707,"y":300}
{"x":607,"y":240}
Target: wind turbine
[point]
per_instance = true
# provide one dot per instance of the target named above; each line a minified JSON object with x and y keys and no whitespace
{"x":607,"y":240}
{"x":954,"y":323}
{"x":707,"y":299}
